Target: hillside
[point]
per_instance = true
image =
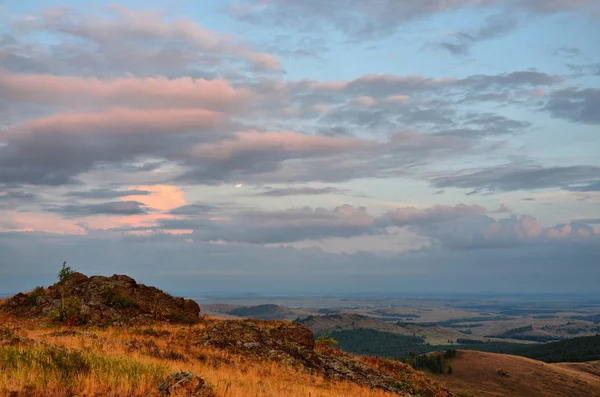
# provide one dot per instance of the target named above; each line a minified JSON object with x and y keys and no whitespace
{"x":591,"y":367}
{"x":492,"y":375}
{"x":141,"y":355}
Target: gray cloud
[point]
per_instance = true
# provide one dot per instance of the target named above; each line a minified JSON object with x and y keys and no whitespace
{"x":122,"y":208}
{"x":494,"y":26}
{"x":573,"y":104}
{"x":291,"y":225}
{"x":360,"y":20}
{"x":439,"y":213}
{"x":237,"y":269}
{"x":55,"y":150}
{"x":513,"y":177}
{"x":568,"y":52}
{"x":107,"y":193}
{"x":192,"y":209}
{"x":18,"y":195}
{"x":591,"y":187}
{"x":302,"y":191}
{"x":15,"y":198}
{"x":481,"y":231}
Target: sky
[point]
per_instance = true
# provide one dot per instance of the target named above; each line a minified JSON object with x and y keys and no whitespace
{"x":302,"y":147}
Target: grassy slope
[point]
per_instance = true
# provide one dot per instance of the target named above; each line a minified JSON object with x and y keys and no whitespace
{"x":477,"y":374}
{"x":122,"y":361}
{"x":591,"y":367}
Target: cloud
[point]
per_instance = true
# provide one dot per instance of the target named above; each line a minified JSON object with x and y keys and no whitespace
{"x":150,"y":92}
{"x":253,"y":153}
{"x":120,"y":122}
{"x":568,"y":52}
{"x":302,"y":191}
{"x":262,"y":227}
{"x":494,"y":26}
{"x":55,"y":150}
{"x":192,"y":209}
{"x":152,"y":43}
{"x":574,"y":104}
{"x":511,"y":177}
{"x":238,"y":269}
{"x":193,"y":125}
{"x":484,"y":232}
{"x":108,"y":208}
{"x":107,"y":193}
{"x":292,"y":143}
{"x":18,"y":195}
{"x":439,"y":213}
{"x":591,"y":187}
{"x":12,"y":199}
{"x":364,"y":21}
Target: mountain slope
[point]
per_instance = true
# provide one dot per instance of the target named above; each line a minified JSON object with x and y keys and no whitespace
{"x":481,"y":374}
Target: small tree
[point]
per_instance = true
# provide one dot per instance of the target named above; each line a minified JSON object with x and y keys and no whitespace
{"x":65,"y":272}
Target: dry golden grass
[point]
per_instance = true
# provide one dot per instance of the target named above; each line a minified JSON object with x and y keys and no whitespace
{"x":590,"y":367}
{"x":115,"y":361}
{"x":493,"y":375}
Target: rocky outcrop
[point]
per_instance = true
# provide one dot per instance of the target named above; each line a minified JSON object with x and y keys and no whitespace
{"x":102,"y":300}
{"x":294,"y":344}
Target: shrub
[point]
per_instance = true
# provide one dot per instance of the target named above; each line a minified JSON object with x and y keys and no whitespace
{"x":33,"y":296}
{"x":404,"y":385}
{"x":114,"y":299}
{"x":70,"y":312}
{"x":326,"y":340}
{"x":503,"y":373}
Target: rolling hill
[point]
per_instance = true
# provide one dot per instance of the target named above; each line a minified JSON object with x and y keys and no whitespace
{"x":492,"y":375}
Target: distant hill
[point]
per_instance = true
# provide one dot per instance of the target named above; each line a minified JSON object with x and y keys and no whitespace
{"x":262,"y":312}
{"x":433,"y":334}
{"x":482,"y":374}
{"x":259,"y":312}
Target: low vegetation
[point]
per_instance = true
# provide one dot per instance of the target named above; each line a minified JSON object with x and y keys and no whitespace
{"x":439,"y":363}
{"x":376,"y":343}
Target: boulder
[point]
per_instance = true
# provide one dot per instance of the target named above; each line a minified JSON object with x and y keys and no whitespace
{"x":185,"y":384}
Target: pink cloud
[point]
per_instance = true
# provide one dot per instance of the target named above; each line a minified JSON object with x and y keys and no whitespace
{"x":293,"y":142}
{"x":183,"y":92}
{"x":397,"y":99}
{"x":363,"y":101}
{"x":124,"y":25}
{"x":123,"y":121}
